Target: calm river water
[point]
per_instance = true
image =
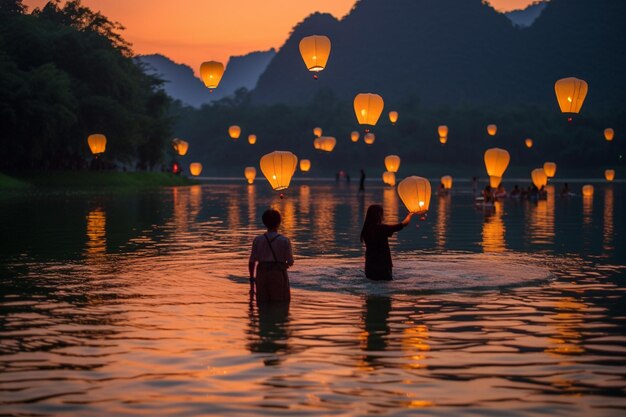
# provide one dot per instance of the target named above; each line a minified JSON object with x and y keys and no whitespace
{"x":136,"y":303}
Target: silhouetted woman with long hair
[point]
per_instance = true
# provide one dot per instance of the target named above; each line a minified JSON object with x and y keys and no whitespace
{"x":375,"y":235}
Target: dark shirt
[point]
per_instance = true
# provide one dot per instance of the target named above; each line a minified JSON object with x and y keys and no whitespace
{"x":377,"y":253}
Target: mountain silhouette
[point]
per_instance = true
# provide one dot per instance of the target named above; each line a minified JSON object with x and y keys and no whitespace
{"x":455,"y":52}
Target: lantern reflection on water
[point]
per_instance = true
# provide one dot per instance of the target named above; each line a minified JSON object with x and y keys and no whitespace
{"x":493,"y":234}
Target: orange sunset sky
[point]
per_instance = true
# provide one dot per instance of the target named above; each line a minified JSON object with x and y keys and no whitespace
{"x":192,"y":31}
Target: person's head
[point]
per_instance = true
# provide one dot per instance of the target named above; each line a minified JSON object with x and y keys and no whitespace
{"x":271,"y":219}
{"x":373,"y":217}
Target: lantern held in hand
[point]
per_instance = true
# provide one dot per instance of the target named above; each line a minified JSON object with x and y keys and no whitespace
{"x":415,"y":193}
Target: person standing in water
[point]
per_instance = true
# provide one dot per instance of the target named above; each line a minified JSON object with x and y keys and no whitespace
{"x":375,"y":235}
{"x":272,"y":251}
{"x":362,"y":181}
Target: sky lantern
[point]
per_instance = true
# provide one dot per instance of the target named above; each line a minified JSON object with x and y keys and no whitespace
{"x":443,"y":134}
{"x":494,"y":181}
{"x":392,"y":163}
{"x":529,"y":143}
{"x":305,"y":165}
{"x":492,"y":130}
{"x":250,"y":174}
{"x":587,"y":190}
{"x":368,"y":107}
{"x":180,"y":146}
{"x":550,"y":169}
{"x":369,"y":138}
{"x":415,"y":193}
{"x":609,"y":174}
{"x":315,"y":51}
{"x":97,"y":143}
{"x":539,"y":177}
{"x":570,"y":93}
{"x":317,"y":144}
{"x":211,"y":73}
{"x":195,"y":168}
{"x":278,"y":167}
{"x":393,"y":117}
{"x":251,"y":139}
{"x":389,"y":178}
{"x":317,"y":132}
{"x":354,"y":136}
{"x":234,"y":132}
{"x":327,"y":143}
{"x":496,"y":161}
{"x":609,"y":134}
{"x":446,"y":180}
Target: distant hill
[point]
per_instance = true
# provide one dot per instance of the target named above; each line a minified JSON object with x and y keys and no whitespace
{"x":526,"y":17}
{"x":455,"y":52}
{"x":182,"y":84}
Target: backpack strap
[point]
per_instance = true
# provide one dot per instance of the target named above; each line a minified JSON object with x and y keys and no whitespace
{"x":269,"y":242}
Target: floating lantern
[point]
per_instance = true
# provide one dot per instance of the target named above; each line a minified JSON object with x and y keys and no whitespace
{"x":443,"y":140}
{"x":305,"y":165}
{"x":443,"y":131}
{"x":539,"y":177}
{"x":368,"y":108}
{"x":327,"y":143}
{"x":496,"y":161}
{"x":315,"y":51}
{"x":369,"y":138}
{"x":392,"y":163}
{"x":609,"y":174}
{"x":354,"y":136}
{"x":492,"y":130}
{"x":609,"y":134}
{"x":234,"y":132}
{"x":587,"y":190}
{"x":211,"y":73}
{"x":317,"y":132}
{"x":278,"y":167}
{"x":570,"y":93}
{"x":415,"y":193}
{"x":393,"y":117}
{"x":317,"y":144}
{"x":550,"y":169}
{"x":389,"y":178}
{"x":97,"y":143}
{"x":250,"y":174}
{"x":195,"y":168}
{"x":446,"y":180}
{"x":251,"y":139}
{"x":494,"y":181}
{"x":529,"y":143}
{"x":180,"y":146}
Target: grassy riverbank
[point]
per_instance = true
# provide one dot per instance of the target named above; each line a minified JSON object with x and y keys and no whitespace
{"x":88,"y":179}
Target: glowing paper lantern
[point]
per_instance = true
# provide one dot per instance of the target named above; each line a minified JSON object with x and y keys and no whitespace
{"x":250,"y":174}
{"x":195,"y":168}
{"x":234,"y":132}
{"x":494,"y":181}
{"x":211,"y":73}
{"x":550,"y":169}
{"x":368,"y":108}
{"x":496,"y":161}
{"x":389,"y":178}
{"x":443,"y":131}
{"x":539,"y":177}
{"x":317,"y":144}
{"x":97,"y":143}
{"x":609,"y":134}
{"x":609,"y":174}
{"x":251,"y":139}
{"x":529,"y":143}
{"x":305,"y":165}
{"x":443,"y":140}
{"x":315,"y":51}
{"x":180,"y":146}
{"x":446,"y":180}
{"x":570,"y":93}
{"x":393,"y":117}
{"x":492,"y":130}
{"x":317,"y":132}
{"x":415,"y":193}
{"x":354,"y":136}
{"x":392,"y":163}
{"x":587,"y":190}
{"x":369,"y":138}
{"x":327,"y":143}
{"x":278,"y":167}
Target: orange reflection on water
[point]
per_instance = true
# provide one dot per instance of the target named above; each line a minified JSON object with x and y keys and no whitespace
{"x":324,"y":222}
{"x":494,"y":230}
{"x":587,"y":209}
{"x":390,"y":206}
{"x":607,"y":229}
{"x":541,"y":219}
{"x":567,"y":323}
{"x":443,"y":215}
{"x":96,"y":234}
{"x":414,"y":342}
{"x":251,"y":205}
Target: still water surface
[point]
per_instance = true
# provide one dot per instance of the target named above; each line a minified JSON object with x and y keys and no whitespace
{"x":136,"y":303}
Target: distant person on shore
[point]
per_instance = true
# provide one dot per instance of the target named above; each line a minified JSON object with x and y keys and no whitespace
{"x":516,"y":192}
{"x":362,"y":181}
{"x":565,"y":190}
{"x":488,"y":195}
{"x":375,"y":235}
{"x":272,"y":251}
